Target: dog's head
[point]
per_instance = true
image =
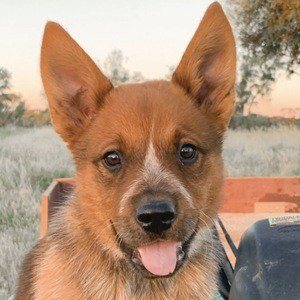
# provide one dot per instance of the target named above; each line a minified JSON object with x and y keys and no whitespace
{"x":148,"y":156}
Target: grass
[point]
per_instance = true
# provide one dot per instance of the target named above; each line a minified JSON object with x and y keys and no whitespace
{"x":30,"y":158}
{"x":272,"y":152}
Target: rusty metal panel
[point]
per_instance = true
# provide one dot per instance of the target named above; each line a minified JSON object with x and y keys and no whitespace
{"x":240,"y":194}
{"x":55,"y":195}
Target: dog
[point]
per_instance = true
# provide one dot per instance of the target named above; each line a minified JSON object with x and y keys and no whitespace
{"x":149,"y":174}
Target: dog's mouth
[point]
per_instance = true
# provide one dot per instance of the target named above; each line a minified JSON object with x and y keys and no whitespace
{"x":161,"y":258}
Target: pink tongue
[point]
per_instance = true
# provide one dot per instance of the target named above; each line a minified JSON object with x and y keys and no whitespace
{"x":159,"y":258}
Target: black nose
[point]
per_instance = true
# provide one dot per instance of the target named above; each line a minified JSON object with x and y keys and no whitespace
{"x":156,"y":216}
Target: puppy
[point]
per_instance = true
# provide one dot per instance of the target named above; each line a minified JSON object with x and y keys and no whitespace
{"x":149,"y":174}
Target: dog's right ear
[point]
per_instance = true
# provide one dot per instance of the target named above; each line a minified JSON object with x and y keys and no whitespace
{"x":208,"y":67}
{"x":74,"y":85}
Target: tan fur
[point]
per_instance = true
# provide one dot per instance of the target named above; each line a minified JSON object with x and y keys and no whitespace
{"x":83,"y":256}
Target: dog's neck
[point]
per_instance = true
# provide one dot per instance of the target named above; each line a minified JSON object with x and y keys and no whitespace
{"x":102,"y":275}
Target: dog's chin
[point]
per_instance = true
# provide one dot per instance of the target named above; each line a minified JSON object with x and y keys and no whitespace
{"x":134,"y":258}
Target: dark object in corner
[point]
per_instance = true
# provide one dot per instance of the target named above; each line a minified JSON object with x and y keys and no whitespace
{"x":268,"y":263}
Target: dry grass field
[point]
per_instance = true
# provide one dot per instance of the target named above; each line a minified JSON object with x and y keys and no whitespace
{"x":30,"y":158}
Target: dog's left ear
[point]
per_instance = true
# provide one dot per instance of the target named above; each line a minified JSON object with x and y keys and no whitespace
{"x":74,"y":85}
{"x":208,"y":67}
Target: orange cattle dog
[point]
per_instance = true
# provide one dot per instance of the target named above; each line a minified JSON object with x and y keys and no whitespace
{"x":149,"y":174}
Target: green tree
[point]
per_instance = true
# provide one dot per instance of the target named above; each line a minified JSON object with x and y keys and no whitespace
{"x":11,"y":106}
{"x":170,"y":72}
{"x":5,"y":96}
{"x":4,"y":89}
{"x":115,"y":70}
{"x":268,"y":38}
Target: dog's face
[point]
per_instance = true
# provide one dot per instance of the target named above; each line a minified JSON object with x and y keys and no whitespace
{"x":148,"y":156}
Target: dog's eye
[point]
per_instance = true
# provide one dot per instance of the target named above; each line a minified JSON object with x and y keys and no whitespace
{"x":112,"y":160}
{"x":188,"y":154}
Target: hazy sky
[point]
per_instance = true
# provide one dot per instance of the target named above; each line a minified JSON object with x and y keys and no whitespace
{"x":152,"y":34}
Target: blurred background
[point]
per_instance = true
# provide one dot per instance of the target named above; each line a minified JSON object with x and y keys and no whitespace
{"x":134,"y":41}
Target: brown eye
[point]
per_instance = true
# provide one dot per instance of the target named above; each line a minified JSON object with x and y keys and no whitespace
{"x":112,"y":160}
{"x":188,"y":154}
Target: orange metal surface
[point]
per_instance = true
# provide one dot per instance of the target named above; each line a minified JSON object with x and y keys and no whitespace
{"x":240,"y":194}
{"x":275,"y":207}
{"x":53,"y":197}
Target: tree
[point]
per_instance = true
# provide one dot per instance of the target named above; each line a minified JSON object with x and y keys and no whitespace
{"x":113,"y":67}
{"x":4,"y":88}
{"x":7,"y":99}
{"x":269,"y":40}
{"x":170,"y":72}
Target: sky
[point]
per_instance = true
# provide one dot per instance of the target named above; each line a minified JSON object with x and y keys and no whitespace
{"x":152,"y":34}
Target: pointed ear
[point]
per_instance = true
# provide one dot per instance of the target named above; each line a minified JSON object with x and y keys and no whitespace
{"x":74,"y":85}
{"x":208,"y":67}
